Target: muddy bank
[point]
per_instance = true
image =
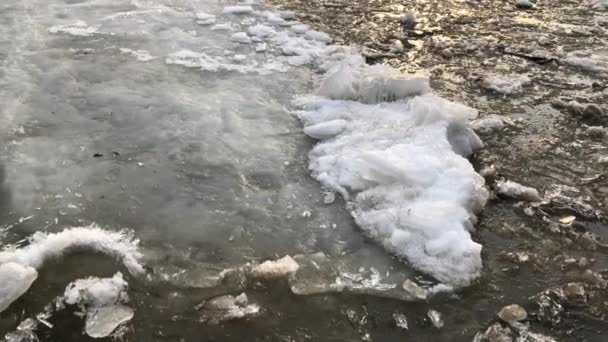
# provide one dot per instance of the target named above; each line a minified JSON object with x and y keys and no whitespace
{"x":537,"y":74}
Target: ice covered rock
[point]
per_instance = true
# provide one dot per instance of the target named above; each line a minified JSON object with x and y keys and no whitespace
{"x":506,"y":84}
{"x":276,"y":268}
{"x":517,"y":191}
{"x":396,"y":46}
{"x":15,"y":280}
{"x":225,"y":308}
{"x":495,"y":333}
{"x":103,"y":321}
{"x":238,"y":10}
{"x":240,"y":37}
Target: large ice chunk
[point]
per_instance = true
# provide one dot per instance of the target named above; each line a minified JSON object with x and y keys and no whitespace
{"x":15,"y":280}
{"x":401,"y":165}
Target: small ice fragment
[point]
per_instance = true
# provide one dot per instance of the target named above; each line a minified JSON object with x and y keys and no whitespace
{"x":261,"y":31}
{"x":140,"y":164}
{"x":104,"y":320}
{"x":400,"y":320}
{"x":221,"y":27}
{"x":318,"y":36}
{"x":205,"y":19}
{"x":415,"y":290}
{"x":240,"y":37}
{"x":326,"y":130}
{"x":238,"y":10}
{"x":517,"y":191}
{"x":300,"y":28}
{"x":306,"y":213}
{"x":276,"y":268}
{"x":15,"y":280}
{"x":506,"y":84}
{"x":435,"y":317}
{"x":260,"y":47}
{"x":225,"y":308}
{"x":288,"y":15}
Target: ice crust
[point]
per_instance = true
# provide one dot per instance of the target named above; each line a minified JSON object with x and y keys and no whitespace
{"x":18,"y":266}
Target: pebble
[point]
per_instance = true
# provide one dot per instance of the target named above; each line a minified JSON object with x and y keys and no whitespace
{"x":512,"y":313}
{"x":524,"y":4}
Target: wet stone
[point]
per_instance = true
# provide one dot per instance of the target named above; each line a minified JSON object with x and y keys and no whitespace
{"x":512,"y":313}
{"x":524,"y":4}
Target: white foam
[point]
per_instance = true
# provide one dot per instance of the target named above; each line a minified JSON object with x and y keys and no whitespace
{"x":506,"y":84}
{"x":79,"y":28}
{"x":238,"y":10}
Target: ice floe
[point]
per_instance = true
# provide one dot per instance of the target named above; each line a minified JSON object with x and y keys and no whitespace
{"x":79,"y":28}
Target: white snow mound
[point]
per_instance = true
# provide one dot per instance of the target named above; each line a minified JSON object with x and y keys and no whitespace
{"x":401,"y":165}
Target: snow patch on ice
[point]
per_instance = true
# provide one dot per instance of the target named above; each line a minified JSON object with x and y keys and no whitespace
{"x":79,"y":28}
{"x":506,"y":84}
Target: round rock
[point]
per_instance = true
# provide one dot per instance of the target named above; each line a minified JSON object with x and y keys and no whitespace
{"x":512,"y":313}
